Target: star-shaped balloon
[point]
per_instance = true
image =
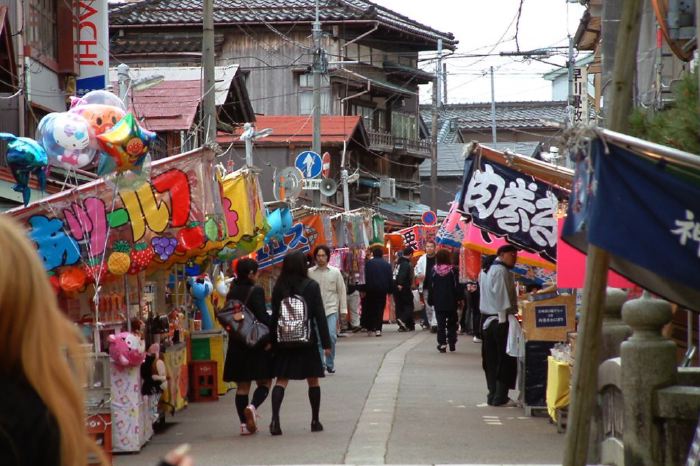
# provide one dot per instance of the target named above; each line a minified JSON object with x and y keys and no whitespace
{"x":125,"y":146}
{"x":25,"y":157}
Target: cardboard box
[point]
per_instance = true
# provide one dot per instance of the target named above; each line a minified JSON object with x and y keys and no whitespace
{"x":551,"y":319}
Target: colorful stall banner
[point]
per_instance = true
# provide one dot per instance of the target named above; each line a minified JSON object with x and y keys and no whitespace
{"x":171,"y":218}
{"x":487,"y":243}
{"x":453,"y":229}
{"x":645,"y":213}
{"x":513,"y":205}
{"x":242,"y":203}
{"x":304,"y":235}
{"x":571,"y":267}
{"x":414,"y":237}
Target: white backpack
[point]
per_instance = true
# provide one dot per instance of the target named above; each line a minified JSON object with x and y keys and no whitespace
{"x":293,"y":325}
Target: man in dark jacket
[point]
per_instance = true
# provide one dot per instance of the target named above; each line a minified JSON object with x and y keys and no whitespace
{"x":378,"y":279}
{"x":403,"y":296}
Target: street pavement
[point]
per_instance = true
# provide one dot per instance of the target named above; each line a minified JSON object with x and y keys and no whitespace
{"x":393,"y":400}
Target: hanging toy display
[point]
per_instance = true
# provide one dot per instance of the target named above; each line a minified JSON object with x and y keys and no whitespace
{"x":68,"y":139}
{"x":200,"y":288}
{"x":125,"y":146}
{"x":25,"y":157}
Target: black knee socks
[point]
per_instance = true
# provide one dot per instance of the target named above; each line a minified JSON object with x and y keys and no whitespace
{"x":259,"y":395}
{"x":315,"y":400}
{"x":241,"y":403}
{"x":277,"y":397}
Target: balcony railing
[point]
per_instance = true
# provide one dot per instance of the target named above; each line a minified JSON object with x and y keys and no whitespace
{"x":387,"y":142}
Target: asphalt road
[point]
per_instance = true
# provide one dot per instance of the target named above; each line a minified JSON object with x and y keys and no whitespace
{"x":393,"y":400}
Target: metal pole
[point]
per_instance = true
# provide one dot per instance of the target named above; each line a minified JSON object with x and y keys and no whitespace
{"x":316,"y":147}
{"x":444,"y":83}
{"x":208,"y":94}
{"x":584,"y":384}
{"x":612,"y":10}
{"x":346,"y":194}
{"x":493,"y":109}
{"x":124,"y":82}
{"x":249,"y":147}
{"x":434,"y":131}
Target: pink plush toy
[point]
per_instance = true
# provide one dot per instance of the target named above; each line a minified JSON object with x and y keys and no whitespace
{"x":126,"y":349}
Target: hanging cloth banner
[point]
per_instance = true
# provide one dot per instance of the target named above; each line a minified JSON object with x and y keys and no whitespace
{"x":512,"y":205}
{"x":304,"y":235}
{"x":174,"y":216}
{"x":645,"y":214}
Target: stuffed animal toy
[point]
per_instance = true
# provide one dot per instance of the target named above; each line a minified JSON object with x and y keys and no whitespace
{"x":221,"y":287}
{"x":126,"y":349}
{"x":200,"y":288}
{"x":159,"y":375}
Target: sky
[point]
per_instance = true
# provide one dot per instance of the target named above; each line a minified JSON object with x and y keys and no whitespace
{"x":485,"y":27}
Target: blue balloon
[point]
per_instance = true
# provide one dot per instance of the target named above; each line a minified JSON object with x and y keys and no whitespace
{"x":280,"y":222}
{"x":25,"y":157}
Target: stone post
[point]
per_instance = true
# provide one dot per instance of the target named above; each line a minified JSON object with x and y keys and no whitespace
{"x":648,"y":364}
{"x":614,"y":332}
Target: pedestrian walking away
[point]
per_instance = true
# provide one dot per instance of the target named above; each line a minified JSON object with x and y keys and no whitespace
{"x":378,"y":276}
{"x":472,"y":313}
{"x":334,"y":296}
{"x":244,"y":364}
{"x":445,"y":295}
{"x":403,"y":294}
{"x":423,"y":275}
{"x":297,"y":360}
{"x":498,"y":299}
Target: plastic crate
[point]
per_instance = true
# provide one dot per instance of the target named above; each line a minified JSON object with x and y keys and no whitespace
{"x":201,"y":349}
{"x":204,"y":381}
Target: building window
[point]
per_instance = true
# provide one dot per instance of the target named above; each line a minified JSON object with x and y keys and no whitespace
{"x":404,"y":125}
{"x":306,"y":94}
{"x":367,"y":114}
{"x":42,"y":33}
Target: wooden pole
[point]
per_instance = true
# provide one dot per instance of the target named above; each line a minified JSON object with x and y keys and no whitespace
{"x":585,"y":379}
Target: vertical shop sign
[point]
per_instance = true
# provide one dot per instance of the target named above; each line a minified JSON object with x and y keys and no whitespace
{"x":93,"y":45}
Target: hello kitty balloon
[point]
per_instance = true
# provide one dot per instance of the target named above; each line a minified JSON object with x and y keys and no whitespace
{"x":67,"y":139}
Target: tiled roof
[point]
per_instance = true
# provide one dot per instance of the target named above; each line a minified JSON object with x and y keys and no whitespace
{"x":160,"y":44}
{"x":288,"y":129}
{"x":172,"y":104}
{"x":451,"y":156}
{"x":178,"y":12}
{"x":509,"y":115}
{"x":169,"y":106}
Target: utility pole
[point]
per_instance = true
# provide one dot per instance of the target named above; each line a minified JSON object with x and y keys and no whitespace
{"x":609,"y":27}
{"x":493,"y":110}
{"x":444,"y":83}
{"x":584,"y":384}
{"x":124,"y":82}
{"x":318,"y":68}
{"x":434,"y":130}
{"x":208,"y":93}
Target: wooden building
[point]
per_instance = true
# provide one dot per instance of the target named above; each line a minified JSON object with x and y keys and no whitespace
{"x":372,"y":73}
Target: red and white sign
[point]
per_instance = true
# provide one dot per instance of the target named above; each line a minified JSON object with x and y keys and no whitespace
{"x":326,"y":170}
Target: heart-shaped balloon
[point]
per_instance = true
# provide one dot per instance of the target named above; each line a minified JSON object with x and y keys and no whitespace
{"x":125,"y":146}
{"x":25,"y":157}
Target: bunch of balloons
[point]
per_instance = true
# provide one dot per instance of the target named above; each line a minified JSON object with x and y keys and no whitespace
{"x":96,"y":126}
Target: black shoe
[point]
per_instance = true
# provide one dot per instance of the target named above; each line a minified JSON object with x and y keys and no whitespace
{"x":401,"y":324}
{"x":433,"y":329}
{"x":316,"y":426}
{"x":275,"y":428}
{"x":442,"y":348}
{"x":356,"y":329}
{"x":452,"y":347}
{"x":330,"y":370}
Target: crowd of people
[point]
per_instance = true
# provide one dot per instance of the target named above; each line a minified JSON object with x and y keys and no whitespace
{"x":45,"y":386}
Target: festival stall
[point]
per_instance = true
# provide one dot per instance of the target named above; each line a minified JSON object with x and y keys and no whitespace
{"x":119,"y":251}
{"x":507,"y":198}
